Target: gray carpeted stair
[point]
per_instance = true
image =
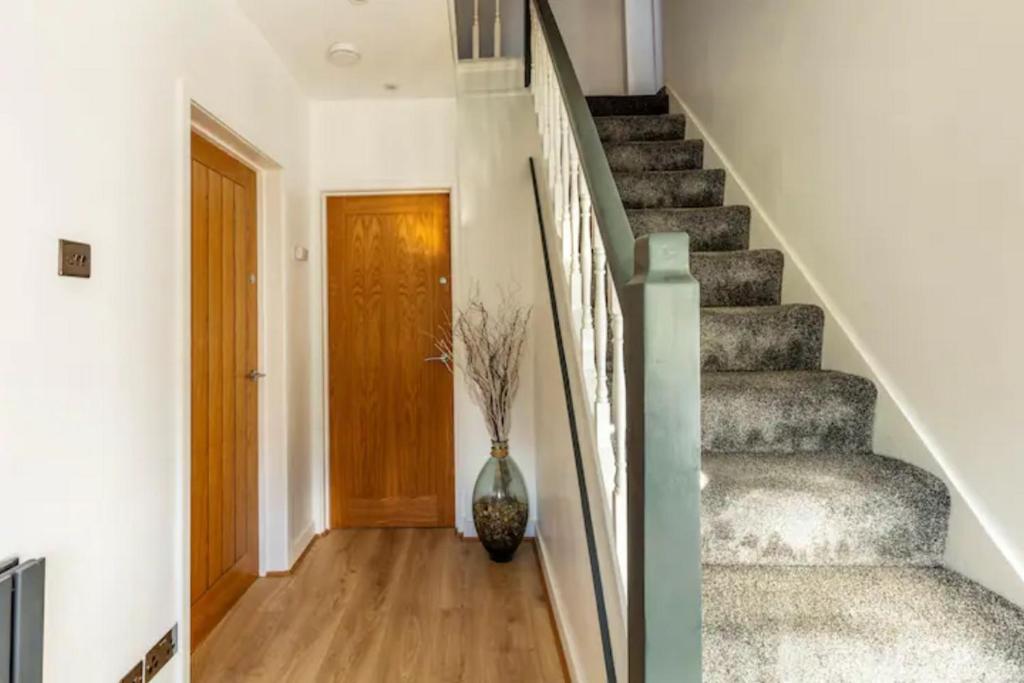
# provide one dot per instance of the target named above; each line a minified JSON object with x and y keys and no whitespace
{"x":675,"y":155}
{"x":714,"y":228}
{"x":640,"y":128}
{"x":738,"y":278}
{"x":820,"y":558}
{"x":793,"y":411}
{"x":857,"y":625}
{"x":821,"y":509}
{"x":761,"y":338}
{"x":667,"y":189}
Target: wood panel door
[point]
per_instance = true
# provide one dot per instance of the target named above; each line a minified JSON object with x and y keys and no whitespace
{"x":225,"y":532}
{"x":392,"y":461}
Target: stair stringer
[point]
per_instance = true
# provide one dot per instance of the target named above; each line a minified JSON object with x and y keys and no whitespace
{"x":972,"y":548}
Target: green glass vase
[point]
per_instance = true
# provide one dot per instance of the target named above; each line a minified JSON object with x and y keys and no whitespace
{"x":500,"y":504}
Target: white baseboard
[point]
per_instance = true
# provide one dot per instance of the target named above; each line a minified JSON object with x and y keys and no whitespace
{"x":569,"y":647}
{"x":300,"y":543}
{"x":973,"y":549}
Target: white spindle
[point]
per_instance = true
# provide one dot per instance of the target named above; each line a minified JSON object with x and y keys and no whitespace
{"x":476,"y":29}
{"x":497,"y":28}
{"x":618,"y":391}
{"x":575,"y":288}
{"x":586,"y":284}
{"x":565,"y":217}
{"x":602,"y":408}
{"x":559,"y":174}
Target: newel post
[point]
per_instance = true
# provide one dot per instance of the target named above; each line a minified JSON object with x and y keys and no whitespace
{"x":662,"y":355}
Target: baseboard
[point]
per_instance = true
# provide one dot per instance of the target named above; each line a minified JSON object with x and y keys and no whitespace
{"x":570,"y":652}
{"x":300,"y":548}
{"x":898,"y":431}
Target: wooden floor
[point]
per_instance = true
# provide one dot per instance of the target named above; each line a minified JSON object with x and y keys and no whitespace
{"x":390,"y":605}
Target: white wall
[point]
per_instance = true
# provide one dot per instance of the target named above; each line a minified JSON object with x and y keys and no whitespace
{"x":883,"y":148}
{"x":93,"y":372}
{"x":476,"y":147}
{"x":595,"y":35}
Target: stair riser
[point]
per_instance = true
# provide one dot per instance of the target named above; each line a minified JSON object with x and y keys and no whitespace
{"x":834,"y":417}
{"x":823,"y":510}
{"x":671,"y":189}
{"x":640,"y":128}
{"x":741,"y":278}
{"x":637,"y":105}
{"x":655,"y":156}
{"x":720,"y":228}
{"x":786,"y":338}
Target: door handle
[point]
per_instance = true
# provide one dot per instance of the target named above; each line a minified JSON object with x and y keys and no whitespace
{"x":443,"y":358}
{"x":255,"y":375}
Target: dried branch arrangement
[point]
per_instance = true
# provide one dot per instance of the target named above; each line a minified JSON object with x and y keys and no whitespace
{"x":487,"y":345}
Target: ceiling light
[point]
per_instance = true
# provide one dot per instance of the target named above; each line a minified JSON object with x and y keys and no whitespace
{"x":391,"y":86}
{"x":343,"y":54}
{"x":358,"y":2}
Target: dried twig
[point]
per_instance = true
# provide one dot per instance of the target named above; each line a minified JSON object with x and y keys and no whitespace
{"x":490,"y":347}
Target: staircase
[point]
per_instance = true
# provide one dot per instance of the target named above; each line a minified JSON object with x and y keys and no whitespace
{"x":822,"y":561}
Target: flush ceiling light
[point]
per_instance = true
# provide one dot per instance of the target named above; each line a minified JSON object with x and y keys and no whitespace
{"x":391,"y":86}
{"x":343,"y":54}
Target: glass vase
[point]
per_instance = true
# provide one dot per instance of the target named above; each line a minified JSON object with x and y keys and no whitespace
{"x":500,"y":504}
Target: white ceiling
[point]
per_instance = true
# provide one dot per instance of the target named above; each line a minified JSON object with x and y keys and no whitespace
{"x":404,"y":42}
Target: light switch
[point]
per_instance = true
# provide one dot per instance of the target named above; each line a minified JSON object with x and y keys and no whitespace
{"x":75,"y":259}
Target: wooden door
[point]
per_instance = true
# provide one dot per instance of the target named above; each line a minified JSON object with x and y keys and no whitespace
{"x":392,"y":461}
{"x":225,"y":533}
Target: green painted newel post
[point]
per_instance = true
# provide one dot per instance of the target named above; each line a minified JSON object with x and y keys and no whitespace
{"x":662,"y":354}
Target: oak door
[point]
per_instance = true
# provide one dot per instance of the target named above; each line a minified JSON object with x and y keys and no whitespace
{"x":225,"y":534}
{"x":391,"y":452}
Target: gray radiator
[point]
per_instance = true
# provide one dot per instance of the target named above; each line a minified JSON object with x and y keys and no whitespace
{"x":22,"y":589}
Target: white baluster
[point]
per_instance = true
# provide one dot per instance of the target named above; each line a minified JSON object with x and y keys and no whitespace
{"x":497,"y":28}
{"x":586,"y":284}
{"x":602,"y":409}
{"x":476,"y":29}
{"x":575,"y":284}
{"x":559,"y":173}
{"x":563,"y":197}
{"x":618,"y":390}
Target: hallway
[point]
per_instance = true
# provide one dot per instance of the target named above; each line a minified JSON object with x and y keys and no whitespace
{"x":390,"y":605}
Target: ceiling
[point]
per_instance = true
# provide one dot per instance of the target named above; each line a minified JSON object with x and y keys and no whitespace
{"x":406,"y":43}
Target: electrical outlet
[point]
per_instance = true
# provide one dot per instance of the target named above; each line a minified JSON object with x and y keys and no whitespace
{"x":133,"y":676}
{"x":161,"y":653}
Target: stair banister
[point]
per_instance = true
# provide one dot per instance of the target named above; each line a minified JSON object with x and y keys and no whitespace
{"x":635,"y":312}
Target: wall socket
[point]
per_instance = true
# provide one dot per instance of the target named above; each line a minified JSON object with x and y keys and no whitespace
{"x":161,"y":653}
{"x":133,"y":676}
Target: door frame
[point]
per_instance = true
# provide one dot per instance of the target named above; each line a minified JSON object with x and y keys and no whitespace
{"x":324,"y":471}
{"x":193,"y":117}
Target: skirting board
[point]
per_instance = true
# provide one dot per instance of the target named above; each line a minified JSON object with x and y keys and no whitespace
{"x":569,"y":647}
{"x":299,"y":550}
{"x":971,"y":549}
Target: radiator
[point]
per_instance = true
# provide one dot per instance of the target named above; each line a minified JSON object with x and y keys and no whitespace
{"x":22,"y":589}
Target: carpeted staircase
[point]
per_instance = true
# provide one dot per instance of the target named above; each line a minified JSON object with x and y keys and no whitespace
{"x":822,"y":560}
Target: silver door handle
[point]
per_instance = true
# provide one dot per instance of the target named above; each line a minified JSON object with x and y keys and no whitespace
{"x":443,"y":358}
{"x":255,"y":375}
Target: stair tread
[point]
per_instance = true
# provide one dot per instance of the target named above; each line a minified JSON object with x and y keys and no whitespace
{"x":751,"y":277}
{"x":821,"y":509}
{"x":752,"y":338}
{"x":791,"y":411}
{"x":877,"y":624}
